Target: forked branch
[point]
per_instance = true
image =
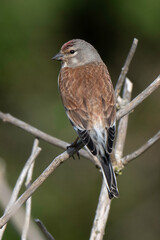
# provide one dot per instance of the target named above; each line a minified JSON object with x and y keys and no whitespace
{"x":104,"y":202}
{"x":64,"y":156}
{"x":53,"y":165}
{"x":35,"y":151}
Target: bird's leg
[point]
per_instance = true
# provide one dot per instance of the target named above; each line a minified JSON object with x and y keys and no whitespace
{"x":76,"y":145}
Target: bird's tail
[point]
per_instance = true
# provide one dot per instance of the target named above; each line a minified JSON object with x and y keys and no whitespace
{"x":109,"y":176}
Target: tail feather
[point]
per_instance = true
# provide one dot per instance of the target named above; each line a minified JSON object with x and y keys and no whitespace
{"x":109,"y":176}
{"x":99,"y":151}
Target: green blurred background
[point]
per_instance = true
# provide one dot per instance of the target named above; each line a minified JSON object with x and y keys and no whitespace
{"x":31,"y":32}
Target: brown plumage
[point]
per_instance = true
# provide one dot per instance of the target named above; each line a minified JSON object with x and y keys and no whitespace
{"x":88,"y":97}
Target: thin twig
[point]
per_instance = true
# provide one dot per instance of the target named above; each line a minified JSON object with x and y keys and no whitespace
{"x":6,"y":117}
{"x":126,"y":67}
{"x":140,"y":98}
{"x":21,"y":178}
{"x":45,"y":174}
{"x":123,"y":124}
{"x":27,"y":219}
{"x":28,"y":202}
{"x":101,"y":216}
{"x":18,"y":218}
{"x":125,"y":160}
{"x":44,"y":229}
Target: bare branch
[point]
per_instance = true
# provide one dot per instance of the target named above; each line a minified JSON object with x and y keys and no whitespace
{"x":101,"y":216}
{"x":28,"y":202}
{"x":44,"y":229}
{"x":27,"y":219}
{"x":45,"y":174}
{"x":126,"y":67}
{"x":35,"y":151}
{"x":18,"y":218}
{"x":6,"y":117}
{"x":142,"y":149}
{"x":123,"y":124}
{"x":140,"y":98}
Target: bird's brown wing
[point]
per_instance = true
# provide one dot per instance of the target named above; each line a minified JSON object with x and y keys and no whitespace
{"x":88,"y":96}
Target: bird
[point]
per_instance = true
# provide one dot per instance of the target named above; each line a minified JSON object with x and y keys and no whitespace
{"x":88,"y":97}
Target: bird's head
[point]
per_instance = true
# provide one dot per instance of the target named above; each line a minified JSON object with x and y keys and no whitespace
{"x":77,"y":52}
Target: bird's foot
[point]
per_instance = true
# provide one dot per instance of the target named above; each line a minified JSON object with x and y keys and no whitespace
{"x":74,"y":145}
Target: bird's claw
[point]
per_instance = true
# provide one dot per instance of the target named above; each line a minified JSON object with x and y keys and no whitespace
{"x":73,"y":145}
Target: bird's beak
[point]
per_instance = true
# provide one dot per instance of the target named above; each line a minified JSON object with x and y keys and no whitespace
{"x":58,"y":57}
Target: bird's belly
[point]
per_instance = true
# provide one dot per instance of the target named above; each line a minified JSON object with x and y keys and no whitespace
{"x":99,"y":135}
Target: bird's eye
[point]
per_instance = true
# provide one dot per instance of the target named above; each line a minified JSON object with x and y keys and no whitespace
{"x":72,"y":51}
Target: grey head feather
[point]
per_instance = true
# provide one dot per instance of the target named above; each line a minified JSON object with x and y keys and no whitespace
{"x":84,"y":53}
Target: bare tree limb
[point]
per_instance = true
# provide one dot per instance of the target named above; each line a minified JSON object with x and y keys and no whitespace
{"x":101,"y":216}
{"x":44,"y":229}
{"x":6,"y":117}
{"x":36,"y":150}
{"x":140,"y":98}
{"x":123,"y":124}
{"x":125,"y":160}
{"x":126,"y":67}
